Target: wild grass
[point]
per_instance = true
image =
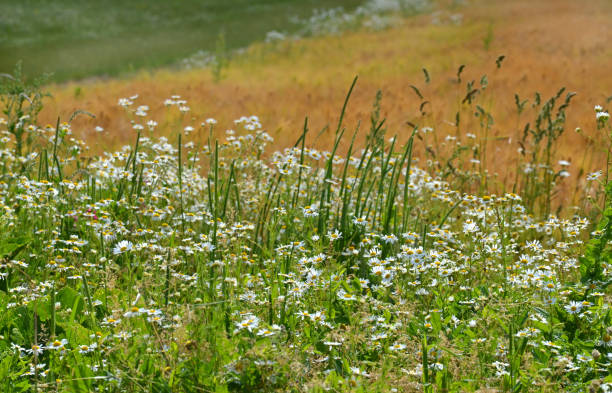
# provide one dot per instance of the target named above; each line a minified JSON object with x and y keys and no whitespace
{"x":195,"y":263}
{"x":543,"y":53}
{"x":424,"y":236}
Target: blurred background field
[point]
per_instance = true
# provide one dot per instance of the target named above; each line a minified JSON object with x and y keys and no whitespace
{"x":77,"y":39}
{"x":314,"y":50}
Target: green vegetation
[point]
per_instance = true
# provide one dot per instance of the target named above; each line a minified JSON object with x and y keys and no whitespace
{"x":179,"y":266}
{"x":76,"y":39}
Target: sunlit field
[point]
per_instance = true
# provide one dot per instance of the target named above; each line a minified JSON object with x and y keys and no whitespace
{"x":397,"y":196}
{"x":285,"y":81}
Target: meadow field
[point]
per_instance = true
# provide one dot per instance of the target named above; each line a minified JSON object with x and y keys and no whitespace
{"x":541,"y":55}
{"x":317,"y":196}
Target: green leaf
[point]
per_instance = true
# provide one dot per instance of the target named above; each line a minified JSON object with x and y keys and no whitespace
{"x":43,"y":310}
{"x":11,"y":247}
{"x":69,"y":298}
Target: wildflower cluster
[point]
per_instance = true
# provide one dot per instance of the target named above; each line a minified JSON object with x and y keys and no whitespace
{"x":177,"y":264}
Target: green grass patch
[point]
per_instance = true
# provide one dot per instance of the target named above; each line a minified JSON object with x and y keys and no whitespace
{"x":76,"y":39}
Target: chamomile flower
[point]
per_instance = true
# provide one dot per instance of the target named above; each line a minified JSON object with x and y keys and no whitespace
{"x":85,"y":349}
{"x":573,"y":307}
{"x":249,"y":323}
{"x":123,"y":247}
{"x":397,"y":347}
{"x":593,"y":175}
{"x":334,"y":235}
{"x":361,"y":221}
{"x":343,"y":295}
{"x":36,"y":350}
{"x":57,"y":345}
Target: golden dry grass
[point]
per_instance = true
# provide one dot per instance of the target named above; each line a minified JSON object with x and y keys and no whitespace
{"x":547,"y":43}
